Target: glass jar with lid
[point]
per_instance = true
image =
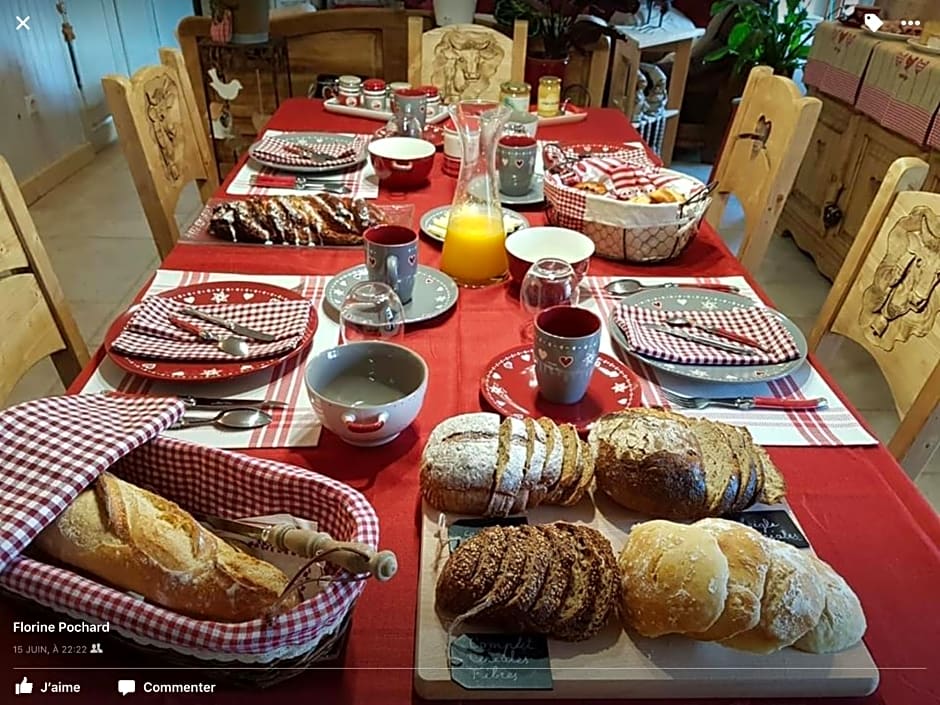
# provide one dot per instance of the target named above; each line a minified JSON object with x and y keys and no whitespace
{"x":549,"y":102}
{"x":349,"y":90}
{"x":516,"y":95}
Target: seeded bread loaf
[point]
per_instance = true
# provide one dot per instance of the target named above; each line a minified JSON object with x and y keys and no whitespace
{"x":558,"y":579}
{"x":716,"y":580}
{"x":479,"y":464}
{"x":667,"y":465}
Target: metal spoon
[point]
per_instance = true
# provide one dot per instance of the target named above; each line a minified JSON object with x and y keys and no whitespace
{"x":239,"y":419}
{"x":625,"y":287}
{"x":234,"y":345}
{"x":680,"y":322}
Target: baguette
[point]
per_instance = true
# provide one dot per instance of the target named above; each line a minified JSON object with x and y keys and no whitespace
{"x":139,"y":541}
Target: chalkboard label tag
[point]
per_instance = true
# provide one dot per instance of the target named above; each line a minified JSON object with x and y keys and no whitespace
{"x":501,"y":662}
{"x":463,"y":529}
{"x":774,"y":524}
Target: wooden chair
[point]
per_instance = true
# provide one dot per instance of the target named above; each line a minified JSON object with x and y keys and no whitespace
{"x":163,"y":139}
{"x":35,"y":318}
{"x":886,"y":298}
{"x":465,"y":61}
{"x":765,"y":146}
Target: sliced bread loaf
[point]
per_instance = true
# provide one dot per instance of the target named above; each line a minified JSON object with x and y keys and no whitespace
{"x":591,"y":577}
{"x":570,"y":467}
{"x":722,"y":467}
{"x":743,"y":446}
{"x":542,"y":613}
{"x":534,"y":464}
{"x":650,"y":461}
{"x":510,"y":466}
{"x":774,"y":488}
{"x":554,"y":460}
{"x":471,"y":571}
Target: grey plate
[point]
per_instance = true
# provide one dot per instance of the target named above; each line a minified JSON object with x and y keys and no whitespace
{"x":434,"y":294}
{"x":535,"y":195}
{"x":312,"y":139}
{"x":691,"y":299}
{"x":435,"y":212}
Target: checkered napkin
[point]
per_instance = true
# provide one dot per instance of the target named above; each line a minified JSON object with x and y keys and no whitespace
{"x":53,"y":448}
{"x":280,"y":151}
{"x":362,"y":182}
{"x":756,"y":323}
{"x":150,"y":332}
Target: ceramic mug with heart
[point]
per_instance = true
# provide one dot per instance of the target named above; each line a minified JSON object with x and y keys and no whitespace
{"x":515,"y":161}
{"x":567,"y":341}
{"x":392,"y":257}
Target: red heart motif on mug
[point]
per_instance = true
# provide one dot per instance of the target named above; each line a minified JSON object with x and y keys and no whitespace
{"x":371,"y":260}
{"x":565,"y":360}
{"x":412,"y":259}
{"x":520,"y":163}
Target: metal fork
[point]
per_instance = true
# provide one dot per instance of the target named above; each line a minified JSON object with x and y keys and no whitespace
{"x":744,"y":403}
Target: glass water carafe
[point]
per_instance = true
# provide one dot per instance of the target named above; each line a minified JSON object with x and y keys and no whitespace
{"x":474,"y":249}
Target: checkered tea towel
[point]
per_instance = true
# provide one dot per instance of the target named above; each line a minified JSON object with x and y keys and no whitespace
{"x":51,"y":449}
{"x":756,"y":323}
{"x":279,"y":151}
{"x":151,"y":332}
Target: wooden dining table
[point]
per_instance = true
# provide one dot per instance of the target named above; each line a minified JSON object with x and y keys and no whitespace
{"x":860,"y":511}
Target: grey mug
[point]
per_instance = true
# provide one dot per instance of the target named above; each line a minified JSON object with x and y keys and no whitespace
{"x":392,"y":258}
{"x":567,"y":342}
{"x":515,"y":160}
{"x":409,"y":106}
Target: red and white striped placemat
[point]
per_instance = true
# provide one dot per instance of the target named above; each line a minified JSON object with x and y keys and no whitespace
{"x":294,"y":426}
{"x":833,"y":426}
{"x":362,"y":182}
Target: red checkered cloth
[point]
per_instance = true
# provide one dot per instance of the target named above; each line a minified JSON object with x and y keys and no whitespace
{"x":623,"y":177}
{"x":283,"y":152}
{"x":201,"y":479}
{"x":754,"y":322}
{"x":151,"y":333}
{"x":51,"y":449}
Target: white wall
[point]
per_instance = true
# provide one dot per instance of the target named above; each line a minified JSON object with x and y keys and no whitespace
{"x":112,"y":36}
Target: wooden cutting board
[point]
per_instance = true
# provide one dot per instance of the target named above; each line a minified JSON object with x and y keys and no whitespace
{"x":615,"y":664}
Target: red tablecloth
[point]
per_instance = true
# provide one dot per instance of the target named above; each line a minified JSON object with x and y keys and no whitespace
{"x":860,"y":510}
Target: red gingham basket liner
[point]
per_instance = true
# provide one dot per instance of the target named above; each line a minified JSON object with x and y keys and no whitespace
{"x":52,"y":448}
{"x":228,"y":484}
{"x":754,"y":322}
{"x":149,"y":332}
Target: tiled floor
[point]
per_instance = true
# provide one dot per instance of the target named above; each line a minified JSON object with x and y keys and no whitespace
{"x":95,"y":232}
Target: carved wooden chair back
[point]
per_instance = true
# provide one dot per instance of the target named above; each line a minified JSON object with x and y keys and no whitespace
{"x":765,"y":146}
{"x":465,"y":61}
{"x":886,"y":298}
{"x":163,"y":139}
{"x":35,"y":318}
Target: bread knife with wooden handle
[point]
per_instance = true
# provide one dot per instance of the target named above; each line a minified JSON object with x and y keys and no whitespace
{"x":357,"y":558}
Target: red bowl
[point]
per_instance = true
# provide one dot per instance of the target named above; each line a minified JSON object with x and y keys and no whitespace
{"x":401,"y":162}
{"x":528,"y":245}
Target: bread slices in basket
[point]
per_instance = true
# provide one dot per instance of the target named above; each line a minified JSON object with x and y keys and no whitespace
{"x":717,"y":580}
{"x":481,"y":464}
{"x":667,"y":465}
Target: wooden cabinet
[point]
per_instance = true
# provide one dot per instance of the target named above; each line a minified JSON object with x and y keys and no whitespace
{"x":844,"y":166}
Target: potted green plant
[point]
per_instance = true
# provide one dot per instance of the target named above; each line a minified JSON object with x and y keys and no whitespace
{"x":760,"y":36}
{"x":556,"y":27}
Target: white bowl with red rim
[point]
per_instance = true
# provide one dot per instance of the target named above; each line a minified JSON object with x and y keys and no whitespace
{"x":401,"y":162}
{"x":528,"y":245}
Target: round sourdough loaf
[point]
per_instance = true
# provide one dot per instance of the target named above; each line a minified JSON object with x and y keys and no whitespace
{"x":458,"y":465}
{"x":675,"y":579}
{"x":650,"y":461}
{"x":747,"y":571}
{"x":842,"y":622}
{"x":792,"y":603}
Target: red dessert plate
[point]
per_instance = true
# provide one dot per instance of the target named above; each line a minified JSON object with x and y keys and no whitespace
{"x":208,"y":370}
{"x":510,"y":387}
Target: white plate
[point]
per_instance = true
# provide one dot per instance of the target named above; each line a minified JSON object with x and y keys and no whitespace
{"x":888,"y":36}
{"x":434,"y":213}
{"x":535,"y":195}
{"x":313,"y":139}
{"x":923,"y":48}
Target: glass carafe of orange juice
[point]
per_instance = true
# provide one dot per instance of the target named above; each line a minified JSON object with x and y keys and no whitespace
{"x":474,"y":247}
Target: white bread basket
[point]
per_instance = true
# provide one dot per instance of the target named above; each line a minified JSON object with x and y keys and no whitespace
{"x":62,"y":444}
{"x":623,"y":230}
